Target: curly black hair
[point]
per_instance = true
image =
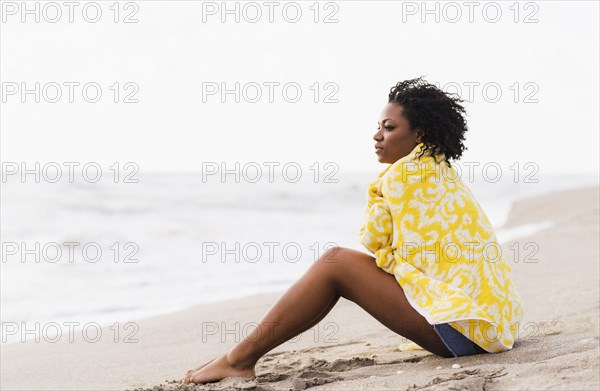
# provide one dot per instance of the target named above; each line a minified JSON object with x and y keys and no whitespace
{"x":439,"y":116}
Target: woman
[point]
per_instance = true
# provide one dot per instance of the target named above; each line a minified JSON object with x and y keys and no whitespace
{"x":437,"y":277}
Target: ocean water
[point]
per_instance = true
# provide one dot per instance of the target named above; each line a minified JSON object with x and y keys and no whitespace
{"x":172,"y":241}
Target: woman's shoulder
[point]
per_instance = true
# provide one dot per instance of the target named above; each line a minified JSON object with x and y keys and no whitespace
{"x":423,"y":170}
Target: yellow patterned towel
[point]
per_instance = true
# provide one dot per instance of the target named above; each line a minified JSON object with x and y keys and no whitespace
{"x":426,"y":228}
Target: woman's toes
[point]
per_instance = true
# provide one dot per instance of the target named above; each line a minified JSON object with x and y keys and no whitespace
{"x":214,"y":370}
{"x":187,"y":378}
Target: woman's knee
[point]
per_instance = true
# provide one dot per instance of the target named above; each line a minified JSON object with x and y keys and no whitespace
{"x":338,"y":256}
{"x":342,"y":264}
{"x":330,"y":260}
{"x":333,"y":255}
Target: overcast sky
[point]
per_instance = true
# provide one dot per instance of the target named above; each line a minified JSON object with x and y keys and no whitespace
{"x":178,"y":52}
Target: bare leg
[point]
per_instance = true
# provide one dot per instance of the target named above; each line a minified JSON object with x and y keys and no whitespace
{"x":339,"y":272}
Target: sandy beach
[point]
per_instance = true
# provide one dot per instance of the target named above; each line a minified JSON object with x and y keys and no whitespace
{"x":556,"y":272}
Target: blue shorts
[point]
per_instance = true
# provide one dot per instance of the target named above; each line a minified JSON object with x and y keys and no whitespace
{"x":457,"y":344}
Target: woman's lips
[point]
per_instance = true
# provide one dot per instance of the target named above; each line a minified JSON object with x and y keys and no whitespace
{"x":378,"y":150}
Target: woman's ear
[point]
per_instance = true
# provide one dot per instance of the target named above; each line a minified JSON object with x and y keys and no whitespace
{"x":418,"y":139}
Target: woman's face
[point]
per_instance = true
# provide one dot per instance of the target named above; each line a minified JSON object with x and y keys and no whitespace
{"x":395,"y":139}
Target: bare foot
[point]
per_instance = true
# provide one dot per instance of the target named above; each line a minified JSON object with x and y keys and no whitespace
{"x":215,"y":370}
{"x":201,"y":366}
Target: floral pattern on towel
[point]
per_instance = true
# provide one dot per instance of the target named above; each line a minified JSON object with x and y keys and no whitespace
{"x":425,"y":227}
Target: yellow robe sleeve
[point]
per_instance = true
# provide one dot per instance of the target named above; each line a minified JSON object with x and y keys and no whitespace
{"x":376,"y":233}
